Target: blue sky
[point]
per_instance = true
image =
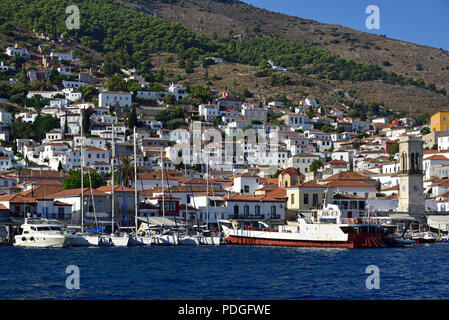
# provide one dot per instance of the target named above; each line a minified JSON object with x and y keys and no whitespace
{"x":423,"y":22}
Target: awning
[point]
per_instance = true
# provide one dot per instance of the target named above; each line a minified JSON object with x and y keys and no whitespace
{"x":402,"y":216}
{"x":159,"y":221}
{"x":438,"y":222}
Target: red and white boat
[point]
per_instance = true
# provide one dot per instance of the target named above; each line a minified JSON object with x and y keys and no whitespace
{"x":424,"y":237}
{"x":325,"y":228}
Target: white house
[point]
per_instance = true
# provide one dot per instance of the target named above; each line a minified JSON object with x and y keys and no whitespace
{"x":64,"y":56}
{"x":178,"y":91}
{"x":17,"y":51}
{"x":245,"y":183}
{"x":209,"y":111}
{"x":120,"y":99}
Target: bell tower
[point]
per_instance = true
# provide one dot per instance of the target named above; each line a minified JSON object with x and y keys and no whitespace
{"x":411,"y":193}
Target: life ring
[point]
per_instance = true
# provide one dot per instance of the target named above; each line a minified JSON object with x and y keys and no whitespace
{"x":24,"y":239}
{"x":31,"y":238}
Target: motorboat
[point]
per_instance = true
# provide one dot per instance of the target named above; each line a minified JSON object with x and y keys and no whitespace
{"x":41,"y":233}
{"x":326,"y":227}
{"x":424,"y":237}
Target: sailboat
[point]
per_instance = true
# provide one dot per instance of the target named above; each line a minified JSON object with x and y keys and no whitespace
{"x":116,"y":240}
{"x":136,"y":239}
{"x":165,"y":237}
{"x":160,"y":235}
{"x":206,"y":237}
{"x":185,"y":239}
{"x":82,"y":239}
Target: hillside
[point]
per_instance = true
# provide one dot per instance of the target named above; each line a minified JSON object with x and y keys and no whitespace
{"x":207,"y":17}
{"x":408,"y":59}
{"x":129,"y":34}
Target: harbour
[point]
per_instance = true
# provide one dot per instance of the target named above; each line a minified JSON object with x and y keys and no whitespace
{"x":225,"y":272}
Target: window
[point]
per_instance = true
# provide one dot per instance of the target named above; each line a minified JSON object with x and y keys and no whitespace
{"x":246,"y":211}
{"x":257,"y":211}
{"x":315,"y":199}
{"x":293,"y":199}
{"x":306,"y":198}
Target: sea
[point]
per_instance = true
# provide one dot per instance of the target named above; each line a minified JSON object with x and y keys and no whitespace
{"x":225,"y":272}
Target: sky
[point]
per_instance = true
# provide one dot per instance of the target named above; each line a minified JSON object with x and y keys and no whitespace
{"x":424,"y":22}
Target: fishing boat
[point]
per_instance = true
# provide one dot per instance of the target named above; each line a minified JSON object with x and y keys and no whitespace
{"x":392,"y":238}
{"x":41,"y":233}
{"x":424,"y":237}
{"x":327,"y":227}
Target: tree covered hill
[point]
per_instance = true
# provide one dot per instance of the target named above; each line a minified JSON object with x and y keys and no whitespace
{"x":129,"y":36}
{"x":218,"y":17}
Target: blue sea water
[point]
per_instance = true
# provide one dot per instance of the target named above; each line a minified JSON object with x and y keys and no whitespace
{"x":225,"y":272}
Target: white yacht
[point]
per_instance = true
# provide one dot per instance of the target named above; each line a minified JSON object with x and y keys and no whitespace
{"x":41,"y":233}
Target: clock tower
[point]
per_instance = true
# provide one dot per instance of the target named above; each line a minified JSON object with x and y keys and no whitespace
{"x":411,"y":193}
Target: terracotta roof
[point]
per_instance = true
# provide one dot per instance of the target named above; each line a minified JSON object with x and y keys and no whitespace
{"x":76,"y":193}
{"x":443,"y":183}
{"x":393,"y":188}
{"x":16,"y":198}
{"x":290,"y":171}
{"x":117,"y":188}
{"x":308,"y":184}
{"x":41,"y":191}
{"x":44,"y":182}
{"x":335,"y":161}
{"x":59,"y":203}
{"x":246,"y":174}
{"x":28,"y":173}
{"x":437,"y":157}
{"x":348,"y":183}
{"x":274,"y":181}
{"x":348,"y":175}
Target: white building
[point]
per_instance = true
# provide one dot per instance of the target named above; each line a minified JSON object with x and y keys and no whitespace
{"x":120,"y":99}
{"x":64,"y":56}
{"x":17,"y":51}
{"x":209,"y":111}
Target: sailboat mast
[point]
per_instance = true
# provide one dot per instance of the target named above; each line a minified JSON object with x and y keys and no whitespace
{"x":185,"y":176}
{"x":113,"y":182}
{"x":135,"y":179}
{"x":163,"y":198}
{"x":207,"y":192}
{"x":82,"y":174}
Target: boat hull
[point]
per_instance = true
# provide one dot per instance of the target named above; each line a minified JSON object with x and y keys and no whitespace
{"x":83,"y":240}
{"x":421,"y":240}
{"x":113,"y":241}
{"x":211,"y":241}
{"x":189,"y":241}
{"x":266,"y":238}
{"x":165,"y":240}
{"x":44,"y":241}
{"x":140,"y":241}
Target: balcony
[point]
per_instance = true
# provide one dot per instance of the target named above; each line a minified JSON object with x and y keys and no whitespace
{"x":255,"y":217}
